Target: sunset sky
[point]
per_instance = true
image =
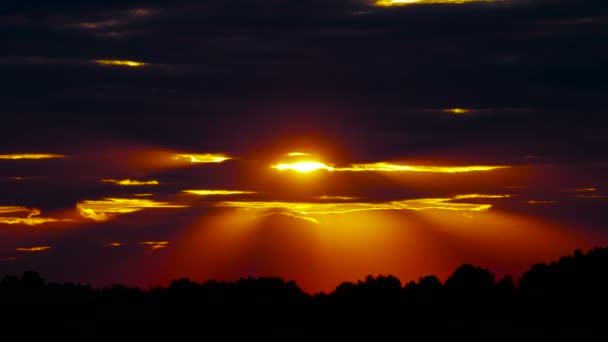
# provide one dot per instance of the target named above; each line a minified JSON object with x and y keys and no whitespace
{"x":318,"y":140}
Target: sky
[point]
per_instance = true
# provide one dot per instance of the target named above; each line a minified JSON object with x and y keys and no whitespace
{"x":318,"y":141}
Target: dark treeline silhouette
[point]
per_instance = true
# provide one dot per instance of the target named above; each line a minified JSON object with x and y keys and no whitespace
{"x":567,"y":297}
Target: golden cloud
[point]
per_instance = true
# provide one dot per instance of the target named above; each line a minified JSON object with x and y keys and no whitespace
{"x":310,"y":208}
{"x":217,"y":192}
{"x":33,"y":249}
{"x":457,"y":111}
{"x":310,"y":166}
{"x":117,"y":62}
{"x":389,"y":3}
{"x":31,"y":156}
{"x":202,"y":158}
{"x":103,"y":210}
{"x":130,"y":182}
{"x":30,"y":217}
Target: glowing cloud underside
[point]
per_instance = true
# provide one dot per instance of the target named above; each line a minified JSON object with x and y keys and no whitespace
{"x":130,"y":182}
{"x":202,"y":158}
{"x":340,"y":208}
{"x":122,"y":63}
{"x":103,"y":210}
{"x":31,"y":156}
{"x":112,"y":244}
{"x":33,"y":249}
{"x":29,"y":216}
{"x":311,"y":166}
{"x":217,"y":192}
{"x":388,"y":3}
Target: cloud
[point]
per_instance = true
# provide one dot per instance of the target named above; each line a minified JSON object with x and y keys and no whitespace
{"x":31,"y":156}
{"x":202,"y":158}
{"x":120,"y":63}
{"x":33,"y":249}
{"x":106,"y":209}
{"x":311,"y":166}
{"x":155,"y":245}
{"x":390,"y":3}
{"x":324,"y":208}
{"x":30,"y":216}
{"x":130,"y":182}
{"x":218,"y":192}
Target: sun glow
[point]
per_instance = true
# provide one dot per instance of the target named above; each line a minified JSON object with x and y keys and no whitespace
{"x":103,"y":210}
{"x":130,"y":182}
{"x":31,"y":156}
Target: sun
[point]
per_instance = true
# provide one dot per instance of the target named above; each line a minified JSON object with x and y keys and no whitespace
{"x":303,"y":166}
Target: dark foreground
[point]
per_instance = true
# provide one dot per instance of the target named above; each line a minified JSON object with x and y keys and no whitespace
{"x":567,"y":298}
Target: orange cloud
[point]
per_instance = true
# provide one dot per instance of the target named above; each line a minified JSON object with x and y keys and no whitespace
{"x":130,"y":182}
{"x":112,"y":244}
{"x":103,"y":210}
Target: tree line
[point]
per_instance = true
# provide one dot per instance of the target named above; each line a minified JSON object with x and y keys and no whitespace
{"x":567,"y":297}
